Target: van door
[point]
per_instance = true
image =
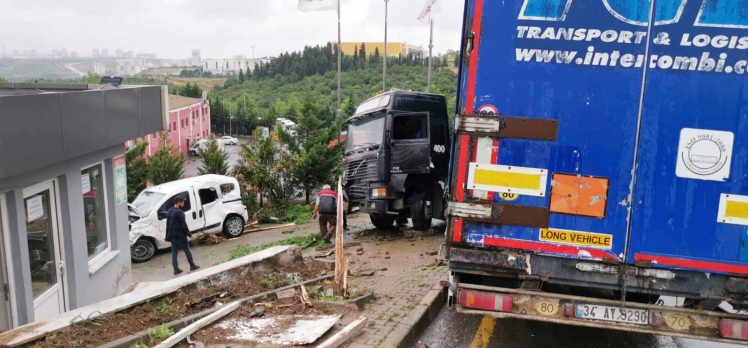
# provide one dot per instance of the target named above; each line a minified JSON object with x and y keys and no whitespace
{"x":194,"y":222}
{"x":211,"y":208}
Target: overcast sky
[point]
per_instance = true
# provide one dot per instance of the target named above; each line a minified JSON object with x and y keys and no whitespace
{"x":219,"y":28}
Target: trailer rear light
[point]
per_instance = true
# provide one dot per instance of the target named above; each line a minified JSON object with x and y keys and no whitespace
{"x":444,"y":283}
{"x":730,"y":328}
{"x":489,"y":301}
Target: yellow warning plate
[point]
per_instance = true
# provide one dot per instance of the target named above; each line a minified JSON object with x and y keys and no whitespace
{"x":507,"y":179}
{"x":733,"y":209}
{"x":596,"y":240}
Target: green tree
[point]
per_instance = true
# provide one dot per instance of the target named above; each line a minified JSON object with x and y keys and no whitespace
{"x":241,"y":75}
{"x":190,"y":90}
{"x":137,"y":170}
{"x":215,"y":160}
{"x":362,"y":55}
{"x":166,"y":164}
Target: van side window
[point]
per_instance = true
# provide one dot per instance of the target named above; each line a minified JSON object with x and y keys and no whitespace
{"x":170,"y":203}
{"x":208,"y":195}
{"x":226,"y":188}
{"x":410,"y":127}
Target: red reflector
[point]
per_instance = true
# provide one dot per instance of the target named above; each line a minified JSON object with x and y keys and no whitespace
{"x":730,"y":328}
{"x":489,"y":301}
{"x":568,"y":310}
{"x":444,"y":283}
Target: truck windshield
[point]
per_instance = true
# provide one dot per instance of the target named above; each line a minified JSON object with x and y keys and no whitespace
{"x":146,"y":201}
{"x":365,"y":132}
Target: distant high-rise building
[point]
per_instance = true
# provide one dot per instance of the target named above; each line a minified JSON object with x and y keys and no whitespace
{"x":73,"y":54}
{"x":96,"y":53}
{"x":196,"y":61}
{"x":119,"y":53}
{"x":104,"y":52}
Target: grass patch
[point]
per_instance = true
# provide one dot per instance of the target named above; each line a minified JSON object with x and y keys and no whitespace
{"x":167,"y":307}
{"x":246,"y":249}
{"x":160,"y":333}
{"x":271,"y":282}
{"x":138,"y":344}
{"x":298,"y":214}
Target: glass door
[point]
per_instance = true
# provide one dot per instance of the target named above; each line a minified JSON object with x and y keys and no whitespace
{"x":44,"y":252}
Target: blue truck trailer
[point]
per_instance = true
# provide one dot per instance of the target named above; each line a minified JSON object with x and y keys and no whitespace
{"x":600,"y":164}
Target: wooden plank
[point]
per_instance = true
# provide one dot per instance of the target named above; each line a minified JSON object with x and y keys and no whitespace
{"x":192,"y":328}
{"x":348,"y":332}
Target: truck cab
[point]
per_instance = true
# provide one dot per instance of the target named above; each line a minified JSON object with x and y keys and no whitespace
{"x":397,"y":158}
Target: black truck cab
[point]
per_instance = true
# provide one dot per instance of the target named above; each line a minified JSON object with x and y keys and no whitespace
{"x":397,"y":157}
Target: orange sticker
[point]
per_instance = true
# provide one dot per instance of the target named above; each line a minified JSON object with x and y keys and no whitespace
{"x":579,"y":195}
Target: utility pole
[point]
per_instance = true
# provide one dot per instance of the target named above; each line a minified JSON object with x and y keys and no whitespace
{"x":339,"y":60}
{"x":384,"y":71}
{"x":431,"y":47}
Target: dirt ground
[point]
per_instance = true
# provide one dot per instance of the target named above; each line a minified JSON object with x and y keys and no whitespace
{"x":94,"y":332}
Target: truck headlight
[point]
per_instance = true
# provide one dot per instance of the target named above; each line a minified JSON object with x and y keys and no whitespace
{"x":379,"y":192}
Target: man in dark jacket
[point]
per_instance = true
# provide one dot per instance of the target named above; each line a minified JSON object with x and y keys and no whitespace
{"x":178,"y":234}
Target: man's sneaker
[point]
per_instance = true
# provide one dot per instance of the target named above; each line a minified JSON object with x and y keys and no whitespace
{"x":177,"y":271}
{"x":194,"y":268}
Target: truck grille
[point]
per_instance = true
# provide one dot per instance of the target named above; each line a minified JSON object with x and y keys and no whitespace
{"x":358,"y":174}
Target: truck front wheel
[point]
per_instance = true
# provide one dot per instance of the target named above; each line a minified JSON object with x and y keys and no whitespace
{"x":419,"y":212}
{"x":382,"y":221}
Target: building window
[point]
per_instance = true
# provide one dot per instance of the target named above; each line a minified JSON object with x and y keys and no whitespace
{"x":94,"y":210}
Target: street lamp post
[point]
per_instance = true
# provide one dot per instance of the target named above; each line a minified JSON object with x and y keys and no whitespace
{"x":384,"y":70}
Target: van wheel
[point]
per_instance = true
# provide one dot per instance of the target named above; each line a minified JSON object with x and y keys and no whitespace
{"x":418,"y":212}
{"x":233,"y":226}
{"x":382,"y":221}
{"x":142,"y":250}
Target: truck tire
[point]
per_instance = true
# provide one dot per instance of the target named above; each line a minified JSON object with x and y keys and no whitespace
{"x":142,"y":250}
{"x":382,"y":221}
{"x":421,"y":218}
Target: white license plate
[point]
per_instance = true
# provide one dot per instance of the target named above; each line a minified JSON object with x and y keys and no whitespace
{"x":617,"y":314}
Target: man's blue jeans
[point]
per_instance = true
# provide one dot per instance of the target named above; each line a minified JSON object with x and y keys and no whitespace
{"x":184,"y":245}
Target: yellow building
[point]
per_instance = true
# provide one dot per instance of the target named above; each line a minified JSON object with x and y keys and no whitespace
{"x":394,"y":49}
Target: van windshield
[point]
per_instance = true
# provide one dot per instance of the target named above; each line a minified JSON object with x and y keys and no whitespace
{"x":146,"y":201}
{"x":367,"y":131}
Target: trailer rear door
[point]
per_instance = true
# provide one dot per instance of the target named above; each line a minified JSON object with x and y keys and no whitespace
{"x":690,"y":207}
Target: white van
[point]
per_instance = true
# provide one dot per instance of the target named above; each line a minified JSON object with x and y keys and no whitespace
{"x":202,"y":144}
{"x":212,"y":204}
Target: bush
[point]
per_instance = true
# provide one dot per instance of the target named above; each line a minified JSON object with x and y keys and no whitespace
{"x":298,"y":214}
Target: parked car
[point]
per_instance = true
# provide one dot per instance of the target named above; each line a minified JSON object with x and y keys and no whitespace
{"x":229,"y":140}
{"x":212,"y":204}
{"x":202,"y":144}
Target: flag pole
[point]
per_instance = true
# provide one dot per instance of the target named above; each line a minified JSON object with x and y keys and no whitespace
{"x":384,"y":71}
{"x":431,"y":47}
{"x":339,"y":59}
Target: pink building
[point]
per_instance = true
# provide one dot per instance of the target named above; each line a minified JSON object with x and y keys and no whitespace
{"x":189,"y":121}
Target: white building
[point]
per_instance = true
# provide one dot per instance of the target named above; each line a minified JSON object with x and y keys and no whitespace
{"x":224,"y":66}
{"x":196,"y":61}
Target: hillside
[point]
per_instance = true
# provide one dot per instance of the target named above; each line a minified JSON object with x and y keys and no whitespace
{"x":278,"y":89}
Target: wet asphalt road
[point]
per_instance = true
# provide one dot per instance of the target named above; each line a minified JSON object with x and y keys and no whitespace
{"x":450,"y":329}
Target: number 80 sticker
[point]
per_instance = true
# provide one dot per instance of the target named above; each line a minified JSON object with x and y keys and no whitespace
{"x":509,"y":197}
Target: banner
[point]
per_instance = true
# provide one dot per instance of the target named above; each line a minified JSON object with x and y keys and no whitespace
{"x":430,"y":9}
{"x":318,"y":5}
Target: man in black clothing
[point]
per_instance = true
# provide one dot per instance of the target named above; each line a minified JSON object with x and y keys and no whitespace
{"x":178,"y":234}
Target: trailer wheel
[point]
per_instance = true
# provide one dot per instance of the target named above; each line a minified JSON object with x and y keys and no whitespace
{"x":419,"y":212}
{"x":382,"y":221}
